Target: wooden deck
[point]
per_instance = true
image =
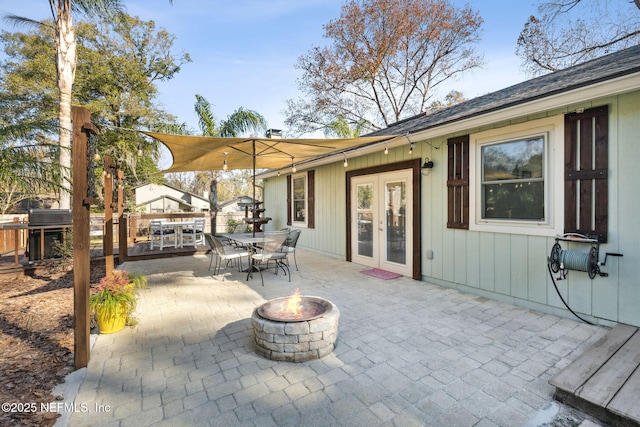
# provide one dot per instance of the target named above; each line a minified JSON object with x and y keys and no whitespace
{"x":141,"y":251}
{"x":605,"y":380}
{"x":135,"y":252}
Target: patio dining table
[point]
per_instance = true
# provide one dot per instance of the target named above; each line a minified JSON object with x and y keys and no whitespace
{"x":244,"y":239}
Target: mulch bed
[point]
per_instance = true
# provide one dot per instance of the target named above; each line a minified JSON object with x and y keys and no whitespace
{"x":36,"y":340}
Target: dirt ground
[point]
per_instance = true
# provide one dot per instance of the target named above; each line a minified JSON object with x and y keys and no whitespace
{"x":36,"y":340}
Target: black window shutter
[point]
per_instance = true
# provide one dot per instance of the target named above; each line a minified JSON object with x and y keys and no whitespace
{"x":289,"y":199}
{"x":586,"y":188}
{"x":458,"y":182}
{"x":311,"y":184}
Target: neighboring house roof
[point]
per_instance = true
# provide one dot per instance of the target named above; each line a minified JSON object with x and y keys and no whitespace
{"x":234,"y":200}
{"x":179,"y":201}
{"x":601,"y":69}
{"x":173,"y":188}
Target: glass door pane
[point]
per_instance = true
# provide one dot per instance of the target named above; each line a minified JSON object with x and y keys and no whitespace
{"x":364,"y":214}
{"x":396,"y":221}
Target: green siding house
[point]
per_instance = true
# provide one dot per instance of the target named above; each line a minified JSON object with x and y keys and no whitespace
{"x":473,"y":197}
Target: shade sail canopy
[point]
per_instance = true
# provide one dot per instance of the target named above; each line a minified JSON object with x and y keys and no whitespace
{"x":199,"y":153}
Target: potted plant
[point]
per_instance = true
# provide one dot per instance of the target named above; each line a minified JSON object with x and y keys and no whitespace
{"x":114,"y":299}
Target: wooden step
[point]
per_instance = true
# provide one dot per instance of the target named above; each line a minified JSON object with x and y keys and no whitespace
{"x":627,"y":402}
{"x":605,"y":379}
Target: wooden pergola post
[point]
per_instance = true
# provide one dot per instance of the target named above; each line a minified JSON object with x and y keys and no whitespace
{"x":107,"y":238}
{"x":122,"y":222}
{"x":82,"y":127}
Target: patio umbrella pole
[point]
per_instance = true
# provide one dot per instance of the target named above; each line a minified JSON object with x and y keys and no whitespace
{"x":253,"y":228}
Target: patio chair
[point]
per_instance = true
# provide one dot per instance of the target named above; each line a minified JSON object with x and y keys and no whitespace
{"x":223,"y":254}
{"x":289,"y":246}
{"x":163,"y":234}
{"x":193,"y":236}
{"x":268,"y":251}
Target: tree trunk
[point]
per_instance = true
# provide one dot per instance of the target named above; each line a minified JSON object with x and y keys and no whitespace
{"x":66,"y":68}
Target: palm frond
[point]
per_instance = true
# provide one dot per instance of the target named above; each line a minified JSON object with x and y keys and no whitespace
{"x":30,"y":167}
{"x":19,"y":21}
{"x":243,"y":121}
{"x":105,"y":8}
{"x":342,"y":128}
{"x":206,"y":119}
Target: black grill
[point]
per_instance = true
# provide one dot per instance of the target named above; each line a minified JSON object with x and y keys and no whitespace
{"x":39,"y":217}
{"x":48,"y":218}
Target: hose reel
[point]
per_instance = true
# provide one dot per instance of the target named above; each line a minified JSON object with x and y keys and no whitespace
{"x":561,"y":260}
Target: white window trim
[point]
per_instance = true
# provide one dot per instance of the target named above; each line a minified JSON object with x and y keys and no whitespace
{"x":553,"y":129}
{"x":306,"y":200}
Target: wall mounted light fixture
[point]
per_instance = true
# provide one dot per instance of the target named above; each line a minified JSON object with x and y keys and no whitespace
{"x":427,"y":166}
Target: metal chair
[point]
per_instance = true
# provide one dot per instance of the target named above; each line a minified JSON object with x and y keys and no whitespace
{"x":161,"y":232}
{"x":267,"y":252}
{"x":289,"y":245}
{"x":222,"y":254}
{"x":193,"y":236}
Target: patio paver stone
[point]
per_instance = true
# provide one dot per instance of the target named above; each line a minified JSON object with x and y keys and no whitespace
{"x":408,"y":353}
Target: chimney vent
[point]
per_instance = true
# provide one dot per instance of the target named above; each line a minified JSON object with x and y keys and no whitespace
{"x":274,"y":133}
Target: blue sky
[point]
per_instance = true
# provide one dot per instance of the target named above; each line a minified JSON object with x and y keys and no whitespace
{"x":244,"y":51}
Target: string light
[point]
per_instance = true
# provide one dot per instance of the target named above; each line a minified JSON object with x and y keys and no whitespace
{"x":411,"y":148}
{"x":345,"y":163}
{"x":386,"y":149}
{"x":293,"y":167}
{"x":140,"y":150}
{"x":224,"y":165}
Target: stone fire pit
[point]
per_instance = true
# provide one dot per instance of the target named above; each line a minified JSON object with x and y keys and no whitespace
{"x":309,"y":332}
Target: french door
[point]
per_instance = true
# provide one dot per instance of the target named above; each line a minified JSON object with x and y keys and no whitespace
{"x":382,"y":214}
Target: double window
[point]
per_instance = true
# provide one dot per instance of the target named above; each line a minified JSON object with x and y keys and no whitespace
{"x":512,"y":170}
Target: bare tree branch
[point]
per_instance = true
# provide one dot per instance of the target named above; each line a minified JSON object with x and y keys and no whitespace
{"x":385,"y":58}
{"x":568,"y":32}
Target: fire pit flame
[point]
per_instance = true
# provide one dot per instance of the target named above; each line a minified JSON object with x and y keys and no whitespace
{"x":292,"y":306}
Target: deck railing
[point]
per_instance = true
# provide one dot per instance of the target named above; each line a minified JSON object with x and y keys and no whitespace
{"x":14,"y":234}
{"x":17,"y":236}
